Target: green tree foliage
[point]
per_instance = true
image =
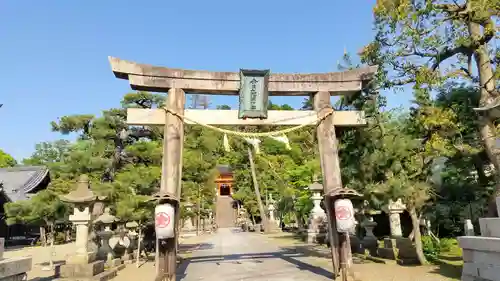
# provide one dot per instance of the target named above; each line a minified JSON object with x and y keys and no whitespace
{"x":44,"y":208}
{"x":124,"y":163}
{"x":6,"y":160}
{"x":429,"y":44}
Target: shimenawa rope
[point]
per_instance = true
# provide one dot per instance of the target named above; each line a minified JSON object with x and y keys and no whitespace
{"x":247,"y":134}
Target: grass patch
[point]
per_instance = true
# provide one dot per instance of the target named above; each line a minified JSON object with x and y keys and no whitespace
{"x":450,"y":262}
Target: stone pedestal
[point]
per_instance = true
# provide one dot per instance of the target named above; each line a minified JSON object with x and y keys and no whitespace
{"x":389,"y":251}
{"x":13,"y":269}
{"x":356,"y":245}
{"x":481,"y":254}
{"x":406,"y":251}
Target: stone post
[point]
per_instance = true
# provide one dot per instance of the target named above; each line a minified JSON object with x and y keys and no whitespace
{"x":81,"y":221}
{"x":395,"y":208}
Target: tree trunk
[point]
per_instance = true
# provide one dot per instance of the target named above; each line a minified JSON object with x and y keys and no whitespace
{"x":52,"y":248}
{"x":98,"y":209}
{"x":412,"y":235}
{"x":43,"y":236}
{"x":488,"y":136}
{"x":479,"y":165}
{"x":487,"y":90}
{"x":67,"y":236}
{"x":138,"y":254}
{"x":263,"y":214}
{"x":418,"y":236}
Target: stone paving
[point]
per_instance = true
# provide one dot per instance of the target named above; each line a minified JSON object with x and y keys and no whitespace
{"x":232,"y":255}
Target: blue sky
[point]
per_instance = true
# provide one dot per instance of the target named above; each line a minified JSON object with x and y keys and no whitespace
{"x":54,"y":53}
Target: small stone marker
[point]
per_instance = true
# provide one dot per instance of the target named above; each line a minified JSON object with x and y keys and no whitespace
{"x":468,"y":228}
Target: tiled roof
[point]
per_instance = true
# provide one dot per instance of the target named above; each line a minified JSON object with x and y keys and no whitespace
{"x":17,"y":182}
{"x":224,"y":169}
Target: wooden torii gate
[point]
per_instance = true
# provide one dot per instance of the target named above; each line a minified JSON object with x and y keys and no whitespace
{"x":176,"y":82}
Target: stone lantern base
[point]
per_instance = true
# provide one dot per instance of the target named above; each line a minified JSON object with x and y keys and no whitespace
{"x":273,"y":226}
{"x":85,"y":267}
{"x":80,"y":266}
{"x":13,"y":269}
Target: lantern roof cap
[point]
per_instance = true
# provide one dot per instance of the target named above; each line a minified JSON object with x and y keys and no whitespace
{"x":82,"y":193}
{"x":106,"y":217}
{"x":131,"y":224}
{"x":315,"y":186}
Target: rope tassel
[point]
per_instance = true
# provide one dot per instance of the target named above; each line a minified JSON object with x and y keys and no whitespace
{"x":227,"y":147}
{"x":255,"y":143}
{"x":282,"y":139}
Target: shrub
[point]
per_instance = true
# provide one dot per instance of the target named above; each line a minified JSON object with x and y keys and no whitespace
{"x":446,"y":244}
{"x":431,"y":248}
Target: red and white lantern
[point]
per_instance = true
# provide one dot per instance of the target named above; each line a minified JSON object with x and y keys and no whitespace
{"x":164,"y":221}
{"x":344,"y":215}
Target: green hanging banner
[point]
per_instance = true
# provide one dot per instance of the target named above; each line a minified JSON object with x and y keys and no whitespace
{"x":253,"y":93}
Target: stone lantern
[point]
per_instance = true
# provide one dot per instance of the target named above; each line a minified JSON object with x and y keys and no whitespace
{"x":133,"y":227}
{"x":97,"y":210}
{"x":121,"y":228}
{"x":187,"y":226}
{"x":317,"y":217}
{"x":121,"y":243}
{"x":271,"y":208}
{"x":395,"y":208}
{"x":82,"y":265}
{"x":370,"y":241}
{"x":273,"y":223}
{"x":82,"y":198}
{"x":105,"y":252}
